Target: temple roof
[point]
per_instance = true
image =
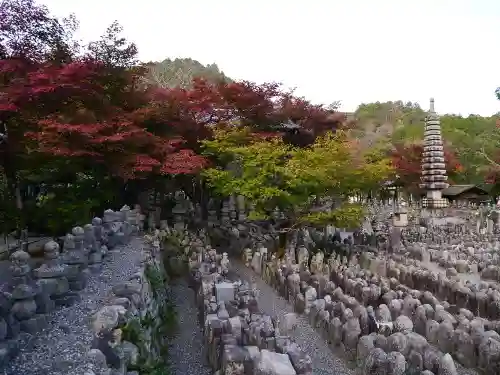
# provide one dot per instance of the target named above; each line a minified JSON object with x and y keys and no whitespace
{"x":455,"y":190}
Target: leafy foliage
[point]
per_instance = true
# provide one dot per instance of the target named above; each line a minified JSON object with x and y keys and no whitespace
{"x":67,"y":111}
{"x":190,"y":113}
{"x":84,"y":107}
{"x":271,"y":173}
{"x":63,"y":205}
{"x":347,"y":216}
{"x":471,"y":141}
{"x":181,"y":73}
{"x":407,"y":161}
{"x":9,"y":217}
{"x":29,"y":33}
{"x":114,"y":50}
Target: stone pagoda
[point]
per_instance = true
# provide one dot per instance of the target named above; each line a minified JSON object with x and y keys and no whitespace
{"x":434,"y":177}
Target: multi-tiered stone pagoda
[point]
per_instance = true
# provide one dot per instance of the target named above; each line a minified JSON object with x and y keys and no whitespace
{"x":434,"y":177}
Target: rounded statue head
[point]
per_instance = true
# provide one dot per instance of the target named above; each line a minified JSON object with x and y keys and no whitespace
{"x":69,"y":242}
{"x":51,"y":247}
{"x":77,"y":231}
{"x":180,"y":195}
{"x":20,"y":257}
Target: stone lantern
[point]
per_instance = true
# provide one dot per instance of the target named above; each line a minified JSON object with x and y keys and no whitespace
{"x":400,"y":217}
{"x":179,"y":211}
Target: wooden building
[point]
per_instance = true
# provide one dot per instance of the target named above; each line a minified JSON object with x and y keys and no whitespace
{"x":466,"y":193}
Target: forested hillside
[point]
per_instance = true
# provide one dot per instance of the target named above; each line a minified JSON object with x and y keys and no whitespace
{"x":180,"y":72}
{"x":392,"y":128}
{"x":471,"y":141}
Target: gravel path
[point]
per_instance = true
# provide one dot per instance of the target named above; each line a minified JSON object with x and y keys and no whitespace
{"x":324,"y":361}
{"x":62,"y":347}
{"x":186,"y":354}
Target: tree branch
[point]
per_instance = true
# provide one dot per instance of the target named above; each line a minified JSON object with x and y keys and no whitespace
{"x":488,"y":159}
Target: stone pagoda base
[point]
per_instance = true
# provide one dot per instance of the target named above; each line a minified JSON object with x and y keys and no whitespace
{"x":434,"y":203}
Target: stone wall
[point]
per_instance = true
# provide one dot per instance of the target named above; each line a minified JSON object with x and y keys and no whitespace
{"x":239,"y":339}
{"x":131,"y":331}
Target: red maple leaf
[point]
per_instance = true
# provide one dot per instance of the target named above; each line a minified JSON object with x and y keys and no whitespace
{"x":407,"y":162}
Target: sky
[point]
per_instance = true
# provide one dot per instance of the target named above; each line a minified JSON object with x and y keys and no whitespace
{"x":352,"y":51}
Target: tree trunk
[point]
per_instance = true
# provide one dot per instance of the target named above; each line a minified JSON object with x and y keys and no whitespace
{"x":197,"y":191}
{"x":13,"y":184}
{"x":19,"y":198}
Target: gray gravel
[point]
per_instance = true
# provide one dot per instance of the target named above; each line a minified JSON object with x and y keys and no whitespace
{"x":186,"y":353}
{"x":324,"y":361}
{"x":62,"y":347}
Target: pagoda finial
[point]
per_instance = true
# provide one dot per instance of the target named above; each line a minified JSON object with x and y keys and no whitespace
{"x":431,"y":109}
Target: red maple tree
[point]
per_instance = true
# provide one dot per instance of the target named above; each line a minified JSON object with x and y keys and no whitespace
{"x":86,"y":123}
{"x":407,"y":162}
{"x":29,"y":36}
{"x":55,"y":102}
{"x":92,"y":108}
{"x":190,"y":113}
{"x":65,"y":109}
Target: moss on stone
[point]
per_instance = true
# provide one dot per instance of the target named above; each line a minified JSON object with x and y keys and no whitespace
{"x":151,"y":332}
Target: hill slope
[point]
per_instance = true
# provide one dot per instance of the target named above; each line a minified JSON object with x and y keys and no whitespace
{"x":180,"y":72}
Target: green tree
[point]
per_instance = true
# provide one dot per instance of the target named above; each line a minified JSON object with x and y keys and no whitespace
{"x":270,"y":173}
{"x":113,"y":49}
{"x":473,"y":139}
{"x":392,"y":121}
